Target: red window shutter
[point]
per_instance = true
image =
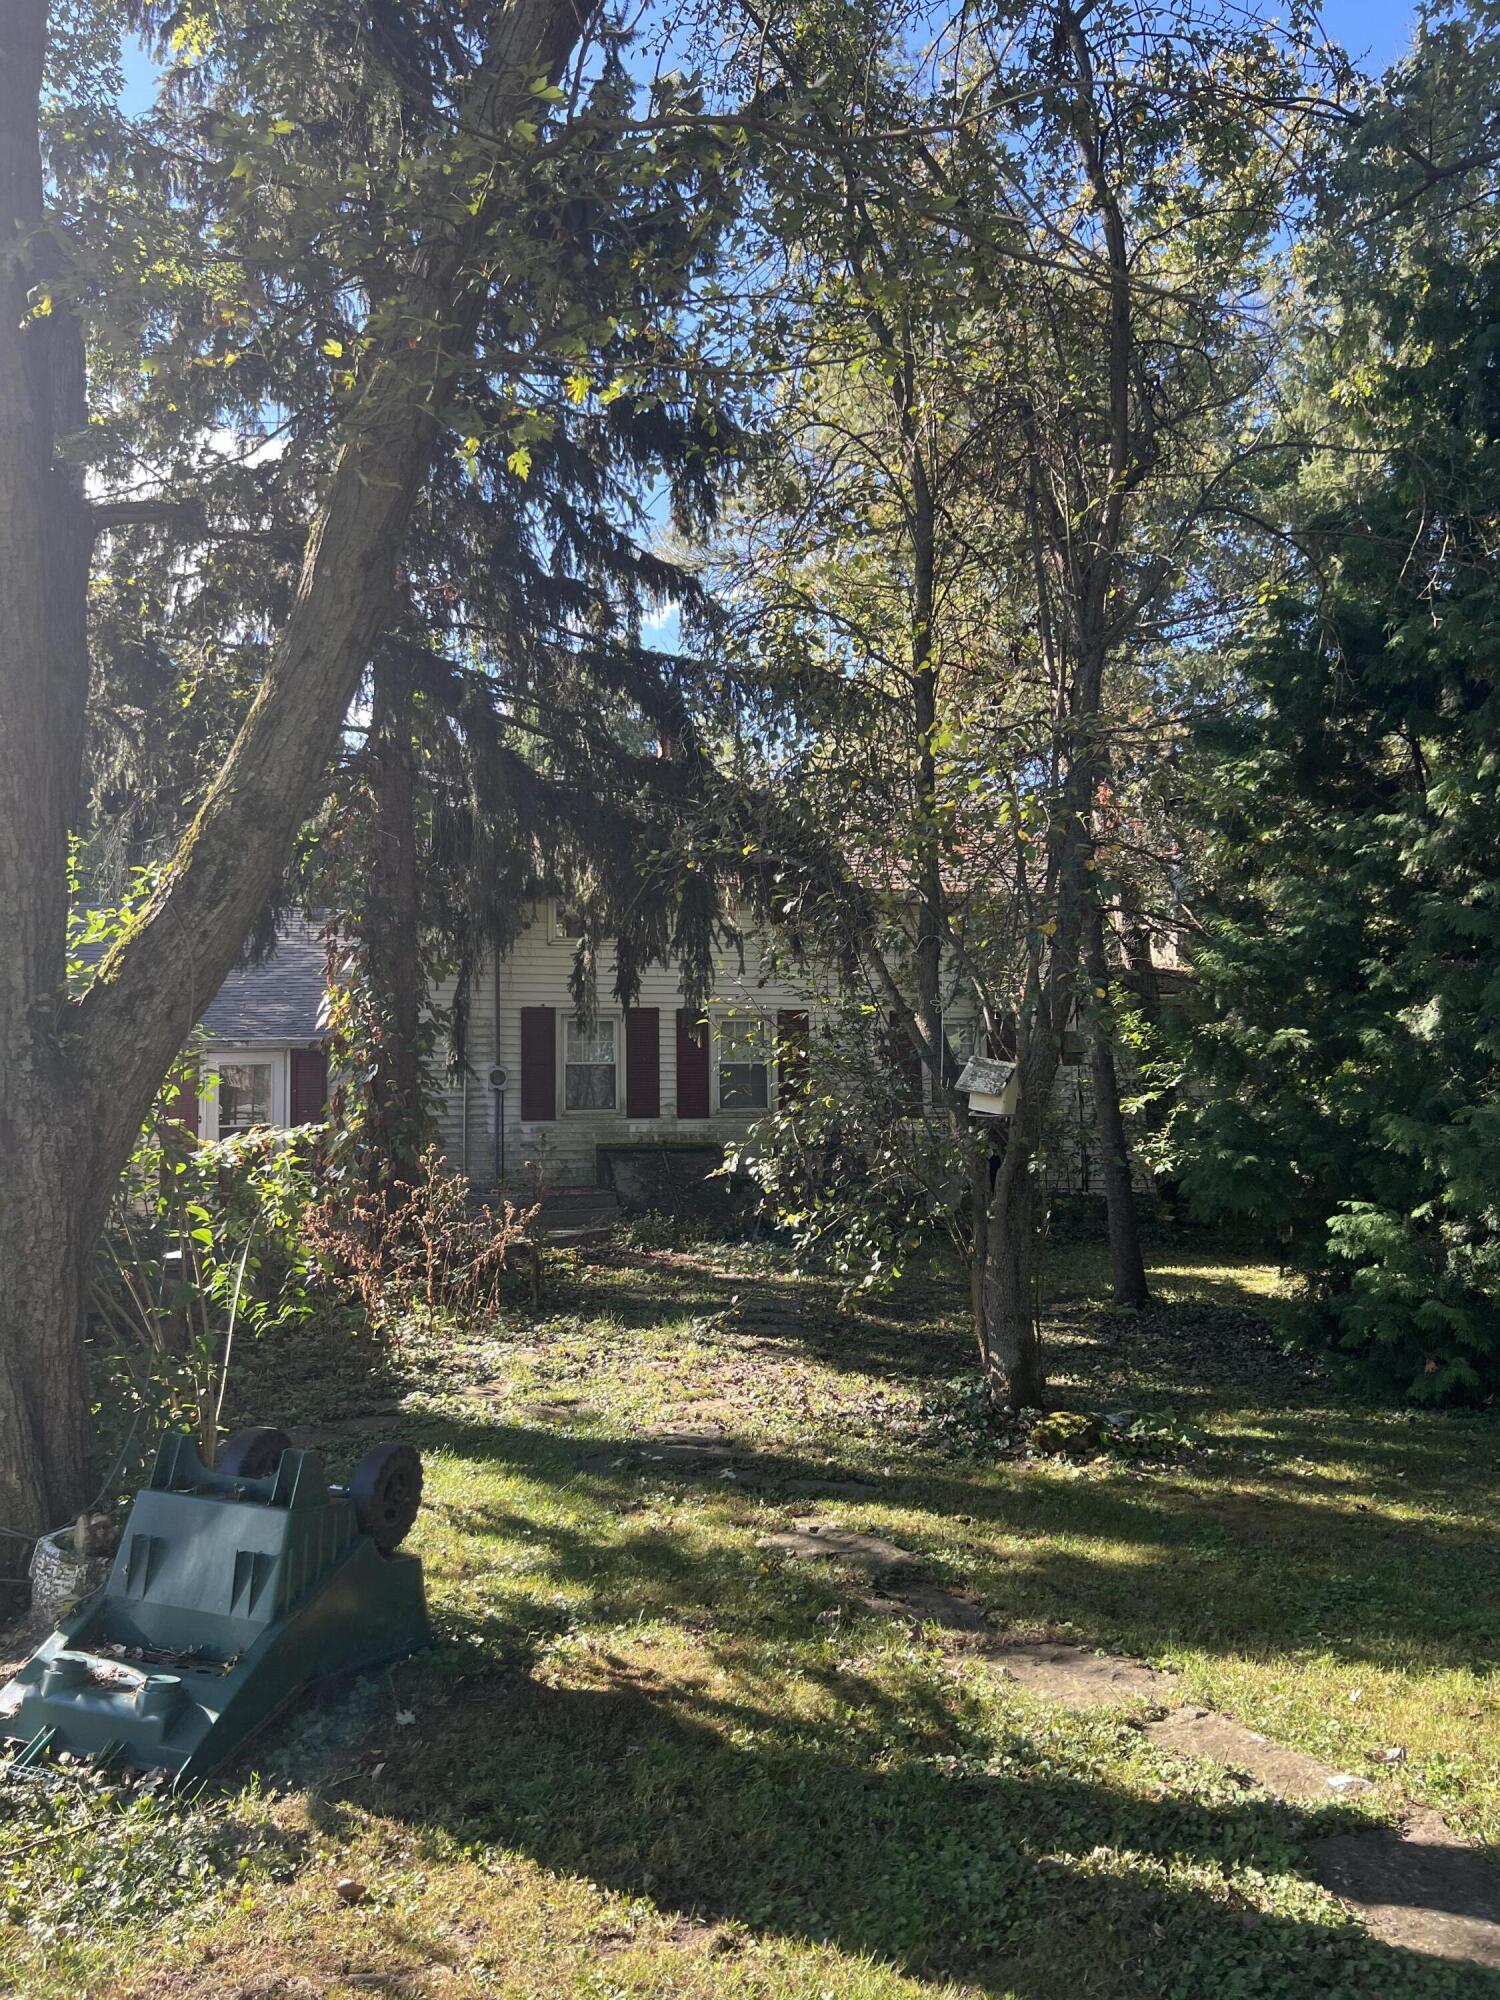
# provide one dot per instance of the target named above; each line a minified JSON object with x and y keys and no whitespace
{"x":692,"y":1066}
{"x":309,"y":1086}
{"x":791,"y":1053}
{"x":183,"y":1106}
{"x":905,"y":1066}
{"x":538,"y":1063}
{"x":642,"y":1062}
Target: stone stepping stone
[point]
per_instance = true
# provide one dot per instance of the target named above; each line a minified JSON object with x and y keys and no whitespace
{"x":825,"y":1541}
{"x":926,"y":1604}
{"x":596,"y":1463}
{"x":1075,"y":1675}
{"x":1286,"y":1773}
{"x":675,"y":1459}
{"x":1421,"y":1889}
{"x":686,"y":1454}
{"x":687,"y":1447}
{"x":676,"y":1447}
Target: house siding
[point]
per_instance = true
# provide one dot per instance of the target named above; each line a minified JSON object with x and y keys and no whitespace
{"x":563,"y":1151}
{"x":533,"y":973}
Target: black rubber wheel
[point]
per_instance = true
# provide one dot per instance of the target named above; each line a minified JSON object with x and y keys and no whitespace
{"x":387,"y":1491}
{"x":253,"y":1453}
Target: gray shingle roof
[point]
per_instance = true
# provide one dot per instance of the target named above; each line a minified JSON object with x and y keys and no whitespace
{"x":279,"y":1000}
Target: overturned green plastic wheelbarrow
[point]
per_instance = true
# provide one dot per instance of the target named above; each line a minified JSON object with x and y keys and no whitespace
{"x":232,"y":1592}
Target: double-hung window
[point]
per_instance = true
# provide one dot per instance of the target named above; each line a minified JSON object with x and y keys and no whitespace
{"x":590,"y":1067}
{"x":244,"y":1096}
{"x":744,"y":1064}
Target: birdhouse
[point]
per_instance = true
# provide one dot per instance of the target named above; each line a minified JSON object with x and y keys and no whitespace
{"x":991,"y":1087}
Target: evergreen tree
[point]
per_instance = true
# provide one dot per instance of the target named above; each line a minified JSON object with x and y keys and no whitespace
{"x":358,"y":239}
{"x":1345,"y":1085}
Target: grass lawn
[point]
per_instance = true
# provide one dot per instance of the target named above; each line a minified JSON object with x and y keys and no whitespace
{"x":648,"y":1757}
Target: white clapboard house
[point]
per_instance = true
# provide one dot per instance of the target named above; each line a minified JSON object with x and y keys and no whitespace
{"x":588,"y":1104}
{"x":545,"y":1095}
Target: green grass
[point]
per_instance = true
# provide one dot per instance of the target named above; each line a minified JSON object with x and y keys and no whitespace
{"x":649,"y":1758}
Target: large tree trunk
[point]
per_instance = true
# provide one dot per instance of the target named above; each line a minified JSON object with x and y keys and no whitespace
{"x":1126,"y":1264}
{"x":47,"y":1228}
{"x":49,"y":1208}
{"x":76,"y":1079}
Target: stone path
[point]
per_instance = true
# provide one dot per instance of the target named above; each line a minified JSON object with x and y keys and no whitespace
{"x":1075,"y":1676}
{"x":1289,"y":1774}
{"x":1420,"y":1888}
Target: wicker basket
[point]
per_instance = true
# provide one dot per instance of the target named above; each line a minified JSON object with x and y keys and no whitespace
{"x":60,"y":1575}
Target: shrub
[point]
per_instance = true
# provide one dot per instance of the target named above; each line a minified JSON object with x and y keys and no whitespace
{"x":421,"y":1245}
{"x":202,"y":1247}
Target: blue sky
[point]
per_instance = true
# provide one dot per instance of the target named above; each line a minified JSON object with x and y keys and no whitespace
{"x":1374,"y":32}
{"x":139,"y":73}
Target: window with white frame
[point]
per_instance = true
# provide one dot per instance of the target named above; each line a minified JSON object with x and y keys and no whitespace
{"x":566,"y":926}
{"x":590,"y":1065}
{"x":244,"y":1095}
{"x":744,"y":1063}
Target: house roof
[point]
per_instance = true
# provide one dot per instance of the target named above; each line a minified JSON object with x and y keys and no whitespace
{"x":281,"y":998}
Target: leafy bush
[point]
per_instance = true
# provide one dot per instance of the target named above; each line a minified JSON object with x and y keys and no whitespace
{"x":202,"y":1248}
{"x":961,"y":1416}
{"x":859,"y":1178}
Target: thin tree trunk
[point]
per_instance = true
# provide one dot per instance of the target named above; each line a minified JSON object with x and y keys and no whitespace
{"x":391,"y":929}
{"x":1126,"y":1264}
{"x":979,"y":1214}
{"x":1079,"y":544}
{"x":1012,"y":1341}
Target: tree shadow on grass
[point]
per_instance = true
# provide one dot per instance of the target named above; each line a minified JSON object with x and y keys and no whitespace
{"x":1219,"y":1363}
{"x":843,"y":1796}
{"x":914,"y":1839}
{"x":1266,"y":1570}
